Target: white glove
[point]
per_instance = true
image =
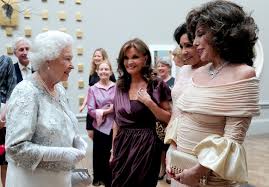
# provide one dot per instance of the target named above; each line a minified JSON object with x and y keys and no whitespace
{"x":64,"y":154}
{"x":80,"y":144}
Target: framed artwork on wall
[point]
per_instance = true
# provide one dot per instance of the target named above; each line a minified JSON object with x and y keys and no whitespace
{"x":9,"y":13}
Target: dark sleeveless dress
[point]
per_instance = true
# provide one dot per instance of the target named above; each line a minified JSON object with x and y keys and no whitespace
{"x":137,"y":149}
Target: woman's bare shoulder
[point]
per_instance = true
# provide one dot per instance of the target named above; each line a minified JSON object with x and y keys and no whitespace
{"x":244,"y":71}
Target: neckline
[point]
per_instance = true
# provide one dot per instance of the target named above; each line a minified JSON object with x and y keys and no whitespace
{"x":221,"y":85}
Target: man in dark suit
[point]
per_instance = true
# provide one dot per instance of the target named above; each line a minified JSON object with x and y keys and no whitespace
{"x":7,"y":83}
{"x":23,"y":68}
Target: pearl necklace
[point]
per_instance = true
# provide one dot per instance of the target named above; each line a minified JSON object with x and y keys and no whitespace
{"x":44,"y":85}
{"x":214,"y":72}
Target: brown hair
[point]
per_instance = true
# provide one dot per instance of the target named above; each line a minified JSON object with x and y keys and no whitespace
{"x":93,"y":65}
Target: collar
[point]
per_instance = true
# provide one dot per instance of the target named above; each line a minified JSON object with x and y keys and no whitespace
{"x":111,"y":84}
{"x":22,"y":66}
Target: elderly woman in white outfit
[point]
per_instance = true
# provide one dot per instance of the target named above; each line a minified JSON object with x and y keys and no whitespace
{"x":42,"y":141}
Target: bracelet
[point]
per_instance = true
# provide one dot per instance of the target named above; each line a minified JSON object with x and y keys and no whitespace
{"x":2,"y":121}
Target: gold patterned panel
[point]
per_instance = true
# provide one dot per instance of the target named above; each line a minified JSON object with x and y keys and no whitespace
{"x":28,"y":31}
{"x":62,"y":15}
{"x":81,"y":84}
{"x":9,"y":31}
{"x":7,"y":18}
{"x":80,"y":51}
{"x":78,"y":16}
{"x":80,"y":100}
{"x":9,"y":50}
{"x":27,"y":14}
{"x":80,"y":67}
{"x":79,"y":33}
{"x":63,"y":29}
{"x":78,"y":2}
{"x":45,"y":14}
{"x":65,"y":84}
{"x":45,"y":29}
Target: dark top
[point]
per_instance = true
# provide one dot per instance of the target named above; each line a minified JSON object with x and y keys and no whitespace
{"x":171,"y":82}
{"x":18,"y":72}
{"x":7,"y":78}
{"x":137,"y":149}
{"x":94,"y":78}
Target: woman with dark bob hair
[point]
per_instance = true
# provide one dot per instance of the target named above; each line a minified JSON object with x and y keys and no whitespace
{"x":221,"y":100}
{"x":138,"y":102}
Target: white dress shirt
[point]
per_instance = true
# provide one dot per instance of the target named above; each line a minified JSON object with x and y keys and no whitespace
{"x":26,"y":71}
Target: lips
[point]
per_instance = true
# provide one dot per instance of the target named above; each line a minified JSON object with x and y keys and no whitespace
{"x":200,"y":51}
{"x":187,"y":59}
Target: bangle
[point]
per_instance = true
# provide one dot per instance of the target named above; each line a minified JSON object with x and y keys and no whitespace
{"x":2,"y":121}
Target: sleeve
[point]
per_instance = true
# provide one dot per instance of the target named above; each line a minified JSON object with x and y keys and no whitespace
{"x":11,"y":81}
{"x":226,"y":155}
{"x":95,"y":111}
{"x":160,"y":91}
{"x":21,"y":125}
{"x":171,"y":131}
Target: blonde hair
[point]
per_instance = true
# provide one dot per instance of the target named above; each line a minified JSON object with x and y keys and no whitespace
{"x":93,"y":65}
{"x":105,"y":62}
{"x":177,"y":52}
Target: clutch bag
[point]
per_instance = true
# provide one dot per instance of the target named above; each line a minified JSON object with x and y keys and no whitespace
{"x":181,"y":161}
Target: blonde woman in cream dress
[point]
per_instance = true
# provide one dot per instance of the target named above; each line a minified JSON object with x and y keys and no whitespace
{"x":222,"y":98}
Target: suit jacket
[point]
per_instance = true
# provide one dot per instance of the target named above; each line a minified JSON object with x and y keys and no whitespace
{"x":18,"y":72}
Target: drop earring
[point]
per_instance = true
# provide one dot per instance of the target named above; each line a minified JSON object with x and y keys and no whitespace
{"x":48,"y":68}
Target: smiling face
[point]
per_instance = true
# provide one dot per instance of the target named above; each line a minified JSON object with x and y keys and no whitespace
{"x":188,"y":51}
{"x":61,"y":66}
{"x":203,"y":44}
{"x":134,"y":61}
{"x":97,"y":57}
{"x":163,"y":70}
{"x":104,"y":71}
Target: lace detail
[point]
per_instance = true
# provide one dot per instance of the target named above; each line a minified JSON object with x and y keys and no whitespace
{"x":36,"y":120}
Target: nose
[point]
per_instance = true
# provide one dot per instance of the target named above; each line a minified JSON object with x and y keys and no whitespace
{"x":196,"y":42}
{"x":184,"y":51}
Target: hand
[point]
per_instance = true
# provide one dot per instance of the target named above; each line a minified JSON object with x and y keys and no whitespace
{"x":111,"y":156}
{"x":80,"y":144}
{"x":143,"y":96}
{"x":2,"y":123}
{"x":191,"y":176}
{"x":108,"y":109}
{"x":64,"y":154}
{"x":81,"y":108}
{"x":90,"y":134}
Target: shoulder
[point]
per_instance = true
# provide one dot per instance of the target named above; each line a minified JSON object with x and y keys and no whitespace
{"x":243,"y":71}
{"x":25,"y":88}
{"x":6,"y":59}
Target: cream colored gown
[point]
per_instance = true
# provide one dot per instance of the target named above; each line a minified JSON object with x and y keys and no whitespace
{"x":213,"y":125}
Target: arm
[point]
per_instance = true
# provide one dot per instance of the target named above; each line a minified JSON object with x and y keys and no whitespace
{"x":115,"y":129}
{"x":22,"y":119}
{"x":83,"y":104}
{"x":162,"y":113}
{"x":217,"y":152}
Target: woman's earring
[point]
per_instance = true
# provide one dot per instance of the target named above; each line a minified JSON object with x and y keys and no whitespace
{"x":48,"y":68}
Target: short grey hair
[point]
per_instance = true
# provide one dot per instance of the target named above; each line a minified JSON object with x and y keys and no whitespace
{"x":20,"y":39}
{"x":48,"y":46}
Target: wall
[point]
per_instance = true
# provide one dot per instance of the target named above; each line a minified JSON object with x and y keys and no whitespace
{"x":109,"y":24}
